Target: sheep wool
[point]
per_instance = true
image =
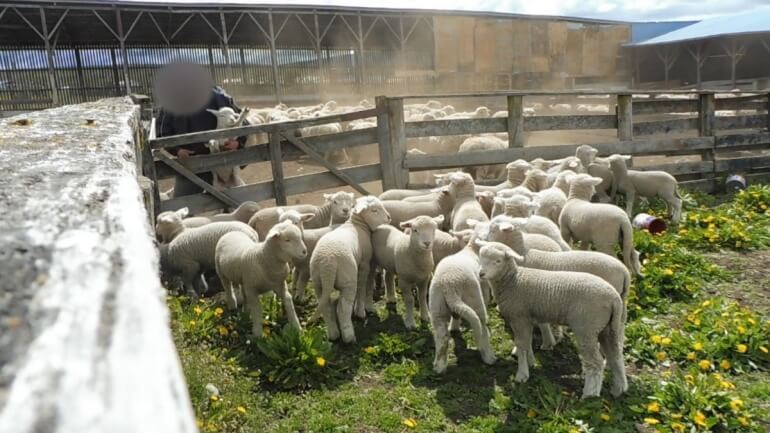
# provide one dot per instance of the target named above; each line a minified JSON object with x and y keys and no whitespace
{"x":335,"y":210}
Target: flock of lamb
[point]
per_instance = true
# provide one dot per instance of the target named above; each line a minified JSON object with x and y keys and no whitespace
{"x":456,"y":249}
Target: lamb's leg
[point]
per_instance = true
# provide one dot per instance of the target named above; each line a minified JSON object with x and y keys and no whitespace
{"x":360,"y":291}
{"x":548,"y":339}
{"x":303,"y":275}
{"x":345,"y":312}
{"x":592,"y":362}
{"x":630,"y":197}
{"x":613,"y":351}
{"x":422,"y":292}
{"x":294,"y":282}
{"x":230,"y":300}
{"x":454,"y":323}
{"x":390,"y":287}
{"x":369,"y":302}
{"x":481,"y":335}
{"x":441,"y":340}
{"x":329,"y":313}
{"x":406,"y":292}
{"x":255,"y":310}
{"x":288,"y":305}
{"x":523,"y":334}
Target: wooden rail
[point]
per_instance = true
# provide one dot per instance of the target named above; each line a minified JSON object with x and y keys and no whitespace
{"x":649,"y":135}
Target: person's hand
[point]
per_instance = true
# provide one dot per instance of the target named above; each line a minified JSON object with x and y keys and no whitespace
{"x":184,"y":153}
{"x":231,"y":144}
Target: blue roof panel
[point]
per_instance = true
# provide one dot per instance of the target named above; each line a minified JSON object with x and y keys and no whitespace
{"x":644,"y":31}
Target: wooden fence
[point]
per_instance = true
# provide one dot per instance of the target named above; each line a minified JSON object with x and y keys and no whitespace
{"x":713,"y":137}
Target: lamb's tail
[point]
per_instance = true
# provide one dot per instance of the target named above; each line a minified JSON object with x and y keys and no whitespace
{"x":325,"y":277}
{"x":630,"y":255}
{"x":626,"y":291}
{"x":618,"y":322}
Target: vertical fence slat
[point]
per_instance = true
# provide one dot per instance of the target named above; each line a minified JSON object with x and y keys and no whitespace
{"x":276,"y":163}
{"x":625,"y":119}
{"x":515,"y":121}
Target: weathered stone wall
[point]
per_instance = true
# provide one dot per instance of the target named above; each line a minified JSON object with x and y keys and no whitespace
{"x":85,"y":344}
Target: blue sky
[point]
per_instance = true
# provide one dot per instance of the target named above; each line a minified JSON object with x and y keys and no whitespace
{"x":627,"y":10}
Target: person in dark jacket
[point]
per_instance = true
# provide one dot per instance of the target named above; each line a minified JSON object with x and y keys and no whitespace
{"x":173,"y":124}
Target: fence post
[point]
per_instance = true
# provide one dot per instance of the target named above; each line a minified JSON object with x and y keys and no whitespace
{"x":515,"y":121}
{"x":625,"y":118}
{"x":276,"y":163}
{"x":768,"y":111}
{"x":392,"y":142}
{"x":706,"y":107}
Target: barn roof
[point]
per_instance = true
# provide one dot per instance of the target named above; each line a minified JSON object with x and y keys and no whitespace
{"x":751,"y":22}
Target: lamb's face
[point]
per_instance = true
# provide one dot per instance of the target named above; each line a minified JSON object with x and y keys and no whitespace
{"x":289,"y":239}
{"x":482,"y":112}
{"x":294,"y":217}
{"x":169,"y":222}
{"x":423,"y":230}
{"x":519,"y":206}
{"x":371,"y":210}
{"x":586,"y":153}
{"x":494,"y":260}
{"x":459,"y":181}
{"x":342,"y":203}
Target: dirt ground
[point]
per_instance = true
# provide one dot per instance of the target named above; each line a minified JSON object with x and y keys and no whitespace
{"x":751,"y":283}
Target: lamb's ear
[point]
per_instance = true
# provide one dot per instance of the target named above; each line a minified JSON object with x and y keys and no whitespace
{"x":472,"y":222}
{"x":626,"y":157}
{"x":406,"y":224}
{"x":183,"y":212}
{"x":572,"y":164}
{"x":280,"y":211}
{"x":511,"y":254}
{"x":351,"y":195}
{"x":499,"y":200}
{"x":305,"y":217}
{"x":595,"y":180}
{"x":273,"y":234}
{"x":439,"y":220}
{"x":480,"y":243}
{"x":214,"y":112}
{"x":505,"y":227}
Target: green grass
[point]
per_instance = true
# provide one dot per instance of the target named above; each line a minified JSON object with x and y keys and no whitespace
{"x":385,"y":381}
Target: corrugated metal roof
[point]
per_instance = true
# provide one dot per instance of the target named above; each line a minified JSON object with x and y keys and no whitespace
{"x":648,"y":30}
{"x":754,"y":21}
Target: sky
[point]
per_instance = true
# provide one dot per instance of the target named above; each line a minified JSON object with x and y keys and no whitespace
{"x":624,"y":10}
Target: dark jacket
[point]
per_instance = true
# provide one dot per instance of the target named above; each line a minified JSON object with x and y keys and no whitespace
{"x":172,"y":124}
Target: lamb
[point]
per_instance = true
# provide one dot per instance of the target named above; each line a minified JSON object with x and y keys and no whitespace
{"x":335,"y":209}
{"x":569,"y":163}
{"x":596,"y":167}
{"x":339,"y":268}
{"x":481,"y":143}
{"x":598,"y":223}
{"x":336,"y":156}
{"x":499,"y":223}
{"x":466,"y":207}
{"x":521,"y":207}
{"x":646,"y":184}
{"x":552,"y":200}
{"x":535,"y":180}
{"x":516,"y":172}
{"x":401,"y":211}
{"x":410,"y":256}
{"x":400,"y":194}
{"x":301,"y":273}
{"x":584,"y":302}
{"x":456,"y":290}
{"x":249,"y":268}
{"x":446,"y":244}
{"x":190,"y":251}
{"x":226,"y":177}
{"x":487,"y":201}
{"x":242,"y":213}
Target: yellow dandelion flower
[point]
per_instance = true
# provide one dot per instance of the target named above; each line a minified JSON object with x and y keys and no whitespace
{"x":736,"y":404}
{"x":222,"y":330}
{"x":676,"y":415}
{"x":698,"y":346}
{"x":763,"y":349}
{"x":666,"y":341}
{"x":653,"y":407}
{"x":704,"y":364}
{"x":688,"y":378}
{"x":742,"y":348}
{"x":691,"y":356}
{"x":668,"y":272}
{"x":574,"y":430}
{"x":241,"y":409}
{"x":651,"y":421}
{"x":192,"y":322}
{"x":320,"y":361}
{"x":656,"y":339}
{"x":410,"y":422}
{"x":605,"y":417}
{"x":369,"y":349}
{"x":705,"y":304}
{"x":678,"y":427}
{"x":219,"y":311}
{"x":214,"y":397}
{"x":199,"y":423}
{"x":198,"y":310}
{"x":743,"y":421}
{"x":699,"y":419}
{"x":741,"y":330}
{"x":726,"y":384}
{"x":752,"y":321}
{"x":725,"y":364}
{"x":696,"y":322}
{"x":661,"y":356}
{"x":531,"y":413}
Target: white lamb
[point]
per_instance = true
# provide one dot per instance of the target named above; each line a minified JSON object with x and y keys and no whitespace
{"x":646,"y":184}
{"x":482,"y":143}
{"x":410,"y":256}
{"x":597,"y":167}
{"x":516,"y":172}
{"x":401,"y":211}
{"x":445,"y":244}
{"x":604,"y":225}
{"x":519,"y":206}
{"x":466,"y":207}
{"x":336,"y":156}
{"x":586,"y":303}
{"x":339,"y":268}
{"x":250,"y":269}
{"x":400,"y":194}
{"x":534,"y":241}
{"x":242,"y":213}
{"x":456,"y":290}
{"x":301,"y":273}
{"x":335,"y":210}
{"x":190,"y":251}
{"x":226,"y":177}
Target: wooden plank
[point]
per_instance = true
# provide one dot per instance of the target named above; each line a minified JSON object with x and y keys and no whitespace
{"x":179,"y":168}
{"x":383,"y":140}
{"x":197,"y":137}
{"x":437,"y":128}
{"x":397,"y":145}
{"x":321,"y":160}
{"x":704,"y":185}
{"x":660,"y":106}
{"x":755,"y":121}
{"x":706,"y":115}
{"x":276,"y":164}
{"x":681,"y":168}
{"x":515,"y":121}
{"x":260,"y":152}
{"x":587,"y":92}
{"x":665,"y":126}
{"x":738,"y":103}
{"x":198,"y":203}
{"x":625,"y":120}
{"x":553,"y":123}
{"x":635,"y":147}
{"x":733,"y":165}
{"x":743,"y":140}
